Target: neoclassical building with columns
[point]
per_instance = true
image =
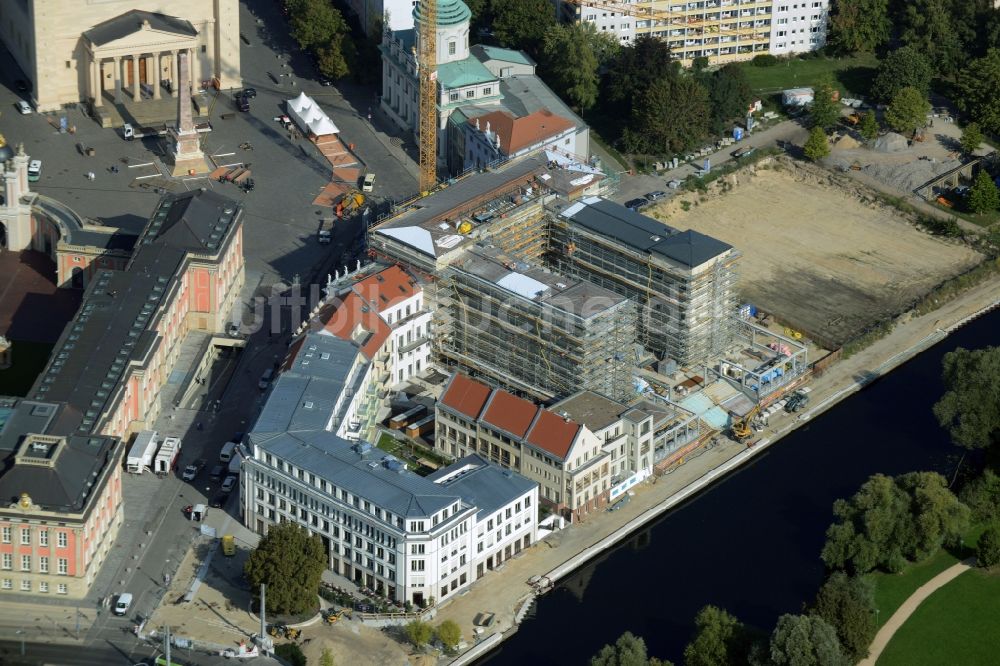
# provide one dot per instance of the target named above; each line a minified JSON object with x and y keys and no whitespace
{"x":98,"y":51}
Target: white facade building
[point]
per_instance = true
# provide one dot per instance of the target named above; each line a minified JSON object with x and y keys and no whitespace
{"x":394,"y":14}
{"x":798,"y":26}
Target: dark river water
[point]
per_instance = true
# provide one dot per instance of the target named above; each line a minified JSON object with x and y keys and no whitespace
{"x":750,"y":543}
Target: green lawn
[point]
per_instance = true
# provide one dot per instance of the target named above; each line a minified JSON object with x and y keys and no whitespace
{"x":891,"y":590}
{"x":29,"y":361}
{"x":851,"y":75}
{"x":955,"y":625}
{"x":410,"y":453}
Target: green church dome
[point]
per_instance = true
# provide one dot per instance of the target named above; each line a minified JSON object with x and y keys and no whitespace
{"x":450,"y":12}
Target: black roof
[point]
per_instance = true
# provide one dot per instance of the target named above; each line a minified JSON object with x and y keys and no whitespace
{"x":688,"y":248}
{"x":132,"y":21}
{"x":113,"y":327}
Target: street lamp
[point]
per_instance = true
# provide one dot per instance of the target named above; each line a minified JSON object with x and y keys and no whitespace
{"x":20,"y":632}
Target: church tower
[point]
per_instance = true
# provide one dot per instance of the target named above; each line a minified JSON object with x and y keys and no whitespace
{"x":15,"y":216}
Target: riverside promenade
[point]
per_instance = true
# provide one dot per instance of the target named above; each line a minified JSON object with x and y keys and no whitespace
{"x":508,"y":592}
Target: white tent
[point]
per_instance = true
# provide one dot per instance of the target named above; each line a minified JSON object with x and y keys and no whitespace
{"x":310,"y":118}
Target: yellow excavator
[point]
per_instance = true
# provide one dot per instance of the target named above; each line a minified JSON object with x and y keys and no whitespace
{"x":743,"y":428}
{"x":350,"y":203}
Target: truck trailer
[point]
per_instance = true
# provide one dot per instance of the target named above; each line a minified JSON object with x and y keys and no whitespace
{"x":166,"y":459}
{"x":140,"y":456}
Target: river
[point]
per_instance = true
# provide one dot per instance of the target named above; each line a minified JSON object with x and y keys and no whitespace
{"x":750,"y":543}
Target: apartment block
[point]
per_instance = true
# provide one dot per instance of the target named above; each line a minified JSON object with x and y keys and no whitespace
{"x":720,"y":30}
{"x":583,"y":451}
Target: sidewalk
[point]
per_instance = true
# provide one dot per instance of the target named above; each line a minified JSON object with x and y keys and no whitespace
{"x":904,"y":612}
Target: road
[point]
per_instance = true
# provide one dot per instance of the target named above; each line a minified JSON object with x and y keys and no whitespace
{"x":783,"y":133}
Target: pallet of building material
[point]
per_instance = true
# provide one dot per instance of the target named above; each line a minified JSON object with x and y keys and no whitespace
{"x":234,"y":174}
{"x":219,"y":173}
{"x":243,"y":175}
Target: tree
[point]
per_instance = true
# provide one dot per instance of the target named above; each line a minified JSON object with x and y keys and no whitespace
{"x":988,"y":546}
{"x":975,"y":91}
{"x":571,"y":63}
{"x":889,"y":521}
{"x":636,"y":69}
{"x":521,"y":24}
{"x":720,"y":640}
{"x":326,"y":659}
{"x":969,"y":408}
{"x":729,"y":94}
{"x":290,"y":562}
{"x":984,"y":197}
{"x":419,"y":633}
{"x":449,"y":634}
{"x":847,"y":603}
{"x":319,"y":27}
{"x":628,"y":650}
{"x":908,"y":110}
{"x":929,"y":27}
{"x":817,"y":146}
{"x":291,"y":653}
{"x":805,"y":640}
{"x":824,"y":111}
{"x":671,"y":116}
{"x":982,"y":496}
{"x":972,"y":138}
{"x":859,"y":25}
{"x":902,"y":68}
{"x":869,"y":126}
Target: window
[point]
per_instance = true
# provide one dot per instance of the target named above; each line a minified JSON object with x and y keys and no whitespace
{"x":8,"y":584}
{"x":43,"y":537}
{"x":453,"y":97}
{"x":61,"y":539}
{"x":416,"y":565}
{"x":6,"y":535}
{"x":43,"y":586}
{"x":470,"y":94}
{"x":26,"y":563}
{"x":26,"y":586}
{"x":63,"y":566}
{"x":43,"y":564}
{"x":417,"y":549}
{"x":61,"y":588}
{"x":487,"y":91}
{"x":25,"y":536}
{"x":8,"y":561}
{"x":451,"y":48}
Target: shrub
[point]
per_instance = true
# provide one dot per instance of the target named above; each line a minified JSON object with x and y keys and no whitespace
{"x":765,"y":60}
{"x":988,"y":546}
{"x":291,"y":653}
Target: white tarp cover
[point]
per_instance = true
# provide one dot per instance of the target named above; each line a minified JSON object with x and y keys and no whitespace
{"x":522,"y":285}
{"x":310,"y":118}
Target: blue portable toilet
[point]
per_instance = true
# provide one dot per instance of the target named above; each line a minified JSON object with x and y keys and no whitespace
{"x":738,"y":133}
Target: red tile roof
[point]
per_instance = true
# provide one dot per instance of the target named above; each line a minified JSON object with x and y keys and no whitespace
{"x":553,"y":433}
{"x":465,"y":396}
{"x":387,"y":287}
{"x":342,"y":318}
{"x":520,"y":133}
{"x":510,"y":413}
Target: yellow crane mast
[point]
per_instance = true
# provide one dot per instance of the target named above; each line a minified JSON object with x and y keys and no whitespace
{"x":427,"y":63}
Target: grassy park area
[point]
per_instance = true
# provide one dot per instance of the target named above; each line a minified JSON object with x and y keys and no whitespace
{"x":955,"y":625}
{"x":852,"y":75}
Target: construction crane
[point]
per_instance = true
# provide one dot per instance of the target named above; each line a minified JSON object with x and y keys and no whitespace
{"x":674,"y":19}
{"x":743,"y":428}
{"x":427,"y":65}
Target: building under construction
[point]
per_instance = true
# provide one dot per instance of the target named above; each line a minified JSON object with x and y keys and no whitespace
{"x":544,"y":335}
{"x":543,"y":287}
{"x":683,"y":282}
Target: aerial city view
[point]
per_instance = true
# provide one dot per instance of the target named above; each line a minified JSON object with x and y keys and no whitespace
{"x":500,"y":332}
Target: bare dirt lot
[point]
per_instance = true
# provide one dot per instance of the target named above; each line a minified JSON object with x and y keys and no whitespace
{"x":819,"y":252}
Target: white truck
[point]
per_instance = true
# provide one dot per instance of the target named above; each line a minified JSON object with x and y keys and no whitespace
{"x":325,"y":233}
{"x":166,"y":459}
{"x":236,"y":462}
{"x":140,"y":456}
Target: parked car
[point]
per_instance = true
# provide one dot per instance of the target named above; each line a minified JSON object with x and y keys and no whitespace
{"x":265,"y":379}
{"x":228,"y":484}
{"x":242,"y":103}
{"x":233,"y":329}
{"x":34,"y":171}
{"x":249,"y":93}
{"x":369,"y":183}
{"x":961,"y":191}
{"x":636,"y":204}
{"x":128,"y":132}
{"x":191,"y":471}
{"x":123,"y":603}
{"x":674,"y":184}
{"x":217,"y":472}
{"x":655,"y":196}
{"x":745,"y":151}
{"x":23,"y":107}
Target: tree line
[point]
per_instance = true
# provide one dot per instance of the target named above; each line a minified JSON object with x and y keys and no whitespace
{"x":888,"y":524}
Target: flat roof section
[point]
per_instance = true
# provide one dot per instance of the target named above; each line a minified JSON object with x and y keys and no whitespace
{"x":644,"y":234}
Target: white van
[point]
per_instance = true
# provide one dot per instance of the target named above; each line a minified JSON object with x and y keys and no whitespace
{"x":127,"y":132}
{"x":227,"y":451}
{"x":265,"y":379}
{"x":123,"y":604}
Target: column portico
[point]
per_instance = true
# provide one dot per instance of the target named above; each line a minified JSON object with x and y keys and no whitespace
{"x":118,"y":77}
{"x":156,"y":78}
{"x":173,"y":73}
{"x":136,"y":95}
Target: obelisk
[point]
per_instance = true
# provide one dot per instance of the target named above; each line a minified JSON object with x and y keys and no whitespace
{"x":187,"y":154}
